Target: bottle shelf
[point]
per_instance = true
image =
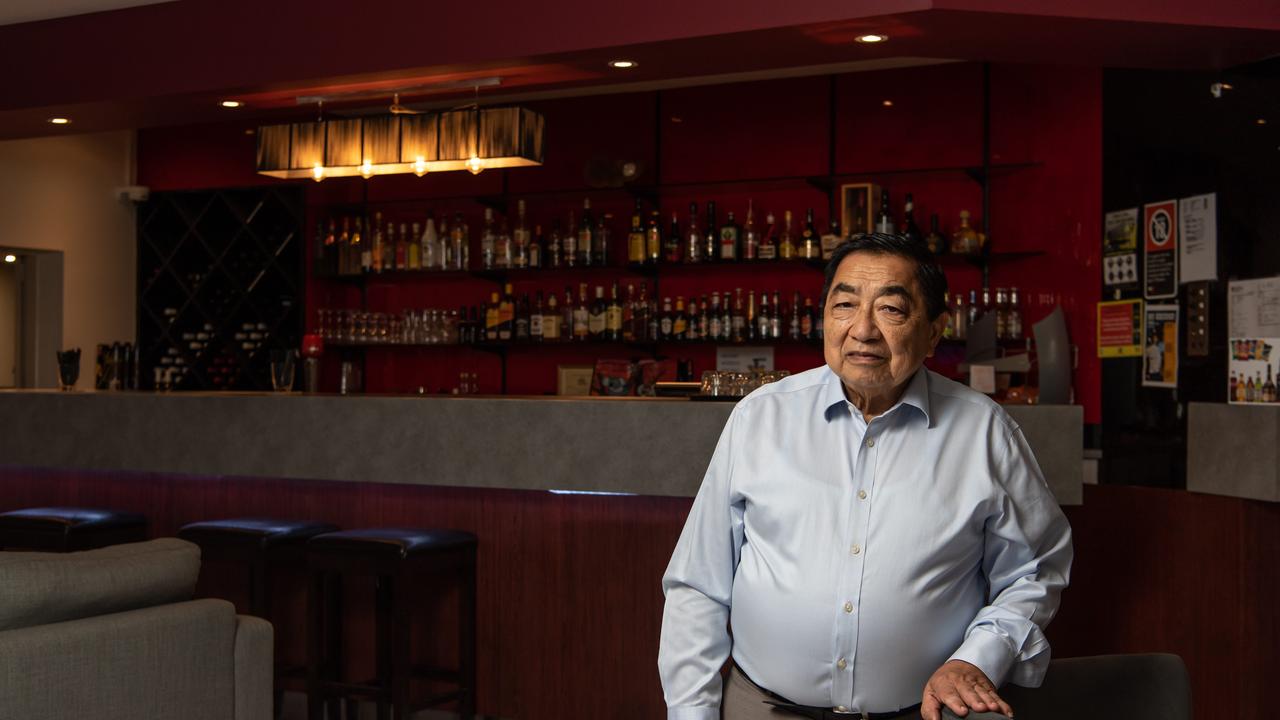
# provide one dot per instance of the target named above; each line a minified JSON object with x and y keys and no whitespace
{"x":500,"y":275}
{"x":569,"y":344}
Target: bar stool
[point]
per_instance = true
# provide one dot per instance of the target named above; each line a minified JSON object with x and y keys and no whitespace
{"x":396,"y":558}
{"x":67,"y":529}
{"x":263,"y":546}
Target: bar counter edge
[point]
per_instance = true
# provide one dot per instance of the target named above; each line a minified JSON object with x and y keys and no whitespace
{"x":631,"y":446}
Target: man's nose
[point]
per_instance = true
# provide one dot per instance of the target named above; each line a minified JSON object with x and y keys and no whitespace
{"x":863,"y":326}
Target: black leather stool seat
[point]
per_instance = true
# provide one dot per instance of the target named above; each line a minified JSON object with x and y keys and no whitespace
{"x":64,"y":529}
{"x":260,"y":533}
{"x":398,"y":542}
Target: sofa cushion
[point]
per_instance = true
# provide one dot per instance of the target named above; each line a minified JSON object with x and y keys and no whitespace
{"x":40,"y":588}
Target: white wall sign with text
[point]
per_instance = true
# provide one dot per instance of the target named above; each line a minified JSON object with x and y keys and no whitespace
{"x":1198,"y":243}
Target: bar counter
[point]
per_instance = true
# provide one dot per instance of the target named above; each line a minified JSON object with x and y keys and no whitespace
{"x":643,"y":446}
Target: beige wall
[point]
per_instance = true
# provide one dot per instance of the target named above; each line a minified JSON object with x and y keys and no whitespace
{"x":58,"y":193}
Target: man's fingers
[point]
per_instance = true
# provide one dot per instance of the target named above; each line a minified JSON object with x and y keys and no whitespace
{"x":953,"y":700}
{"x":972,"y":698}
{"x":1004,"y":706}
{"x":929,"y":706}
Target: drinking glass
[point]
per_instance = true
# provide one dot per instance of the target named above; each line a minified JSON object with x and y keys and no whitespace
{"x":68,"y":368}
{"x":283,"y":364}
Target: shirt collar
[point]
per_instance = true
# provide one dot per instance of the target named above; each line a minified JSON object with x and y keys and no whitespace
{"x":916,"y":395}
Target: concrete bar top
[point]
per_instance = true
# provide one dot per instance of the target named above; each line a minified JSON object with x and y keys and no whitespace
{"x":1232,"y":450}
{"x":646,"y":446}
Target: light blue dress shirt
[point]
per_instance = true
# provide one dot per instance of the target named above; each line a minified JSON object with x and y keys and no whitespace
{"x":852,"y":559}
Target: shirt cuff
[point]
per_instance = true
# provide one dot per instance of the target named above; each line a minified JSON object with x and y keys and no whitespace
{"x":693,"y":713}
{"x":989,"y":652}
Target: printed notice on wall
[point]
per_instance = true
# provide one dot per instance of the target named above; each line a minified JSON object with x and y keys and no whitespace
{"x":1253,"y":332}
{"x":744,"y":359}
{"x":1160,"y":356}
{"x":1160,"y":234}
{"x":1120,"y":250}
{"x":1120,"y":329}
{"x":1198,"y":244}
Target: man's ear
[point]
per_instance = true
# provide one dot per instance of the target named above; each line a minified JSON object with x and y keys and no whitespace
{"x":936,"y":327}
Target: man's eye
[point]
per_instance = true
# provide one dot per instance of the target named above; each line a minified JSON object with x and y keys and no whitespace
{"x":893,"y":310}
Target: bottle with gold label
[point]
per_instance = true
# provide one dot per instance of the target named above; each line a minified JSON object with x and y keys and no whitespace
{"x":635,"y":239}
{"x":965,"y":239}
{"x":786,"y":243}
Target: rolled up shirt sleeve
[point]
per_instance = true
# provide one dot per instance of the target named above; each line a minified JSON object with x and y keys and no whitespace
{"x":698,"y":585}
{"x":1027,"y":563}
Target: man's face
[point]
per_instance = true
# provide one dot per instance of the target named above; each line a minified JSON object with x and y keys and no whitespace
{"x":876,"y":329}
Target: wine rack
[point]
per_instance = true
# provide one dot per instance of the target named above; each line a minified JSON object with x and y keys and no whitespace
{"x":220,"y":284}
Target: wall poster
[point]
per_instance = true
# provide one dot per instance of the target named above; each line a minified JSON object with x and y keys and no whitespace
{"x":1253,"y":332}
{"x":1160,"y":355}
{"x":1198,"y":238}
{"x":1120,"y":329}
{"x":1120,"y":251}
{"x":1160,"y":234}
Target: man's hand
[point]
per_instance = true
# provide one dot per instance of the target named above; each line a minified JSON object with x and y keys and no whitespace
{"x":961,"y":687}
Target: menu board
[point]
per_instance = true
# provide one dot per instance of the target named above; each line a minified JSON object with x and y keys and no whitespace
{"x":1253,"y":331}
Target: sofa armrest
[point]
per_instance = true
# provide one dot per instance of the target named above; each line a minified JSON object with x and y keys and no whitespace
{"x":254,"y":671}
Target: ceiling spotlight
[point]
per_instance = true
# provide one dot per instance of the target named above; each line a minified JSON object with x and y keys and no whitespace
{"x":59,"y":121}
{"x":887,"y":103}
{"x":1261,"y":121}
{"x":11,"y":258}
{"x":872,"y":38}
{"x":623,"y":64}
{"x":231,"y":104}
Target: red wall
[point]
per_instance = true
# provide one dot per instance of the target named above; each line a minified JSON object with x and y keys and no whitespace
{"x":721,"y":143}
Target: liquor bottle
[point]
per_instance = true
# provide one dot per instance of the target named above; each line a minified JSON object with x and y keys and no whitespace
{"x":764,"y":322}
{"x":604,"y":239}
{"x":613,"y":316}
{"x":704,"y":320}
{"x":555,"y":251}
{"x":726,"y":318}
{"x":596,"y":320}
{"x":402,"y":249}
{"x":581,"y":315}
{"x":460,"y":238}
{"x":329,"y":251}
{"x":806,"y":320}
{"x":430,"y":244}
{"x":665,"y":321}
{"x":986,"y":306}
{"x":693,"y":250}
{"x":505,"y":245}
{"x":522,"y":238}
{"x":635,"y":239}
{"x":692,"y":330}
{"x":1248,"y":390}
{"x":646,"y":318}
{"x":1269,"y":388}
{"x":1015,"y":315}
{"x":810,"y":243}
{"x":679,"y":323}
{"x":376,"y":249}
{"x":1232,"y":385}
{"x":653,"y":238}
{"x":567,"y":315}
{"x":884,"y":221}
{"x":535,"y":248}
{"x":749,"y":330}
{"x":959,"y":318}
{"x":506,"y":314}
{"x":491,"y":318}
{"x":738,"y":319}
{"x":936,"y":242}
{"x":715,"y":327}
{"x":586,"y":235}
{"x":551,"y":320}
{"x":769,"y":241}
{"x":832,"y":239}
{"x":415,"y":258}
{"x":671,"y":248}
{"x":524,"y":320}
{"x":569,"y":243}
{"x":344,"y":248}
{"x":730,"y":239}
{"x":965,"y":239}
{"x":1002,"y":314}
{"x":786,"y":245}
{"x":975,"y":312}
{"x":488,"y":242}
{"x":1241,"y":391}
{"x":750,"y":240}
{"x":860,"y":222}
{"x":775,"y":321}
{"x":629,"y":315}
{"x":535,"y":319}
{"x":909,"y":228}
{"x":445,"y":253}
{"x":793,"y":327}
{"x":711,"y":236}
{"x":360,"y":246}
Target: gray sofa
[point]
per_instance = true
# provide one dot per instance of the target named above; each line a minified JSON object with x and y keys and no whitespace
{"x":113,"y":634}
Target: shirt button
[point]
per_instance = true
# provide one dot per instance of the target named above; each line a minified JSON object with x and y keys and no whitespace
{"x":871,"y":442}
{"x":848,"y":607}
{"x":842,"y":664}
{"x":855,"y":549}
{"x":862,"y":494}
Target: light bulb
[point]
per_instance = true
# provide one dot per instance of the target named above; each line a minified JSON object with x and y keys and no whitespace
{"x":420,"y":167}
{"x":317,"y":172}
{"x":366,"y":169}
{"x":11,"y":258}
{"x":872,"y":38}
{"x":475,"y":165}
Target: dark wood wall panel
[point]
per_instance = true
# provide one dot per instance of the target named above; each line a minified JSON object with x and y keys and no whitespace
{"x":570,"y":602}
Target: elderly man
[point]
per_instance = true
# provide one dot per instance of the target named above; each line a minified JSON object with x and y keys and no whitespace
{"x":871,"y":539}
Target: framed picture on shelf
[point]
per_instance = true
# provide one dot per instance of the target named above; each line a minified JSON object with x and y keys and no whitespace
{"x":574,"y":379}
{"x":859,"y":205}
